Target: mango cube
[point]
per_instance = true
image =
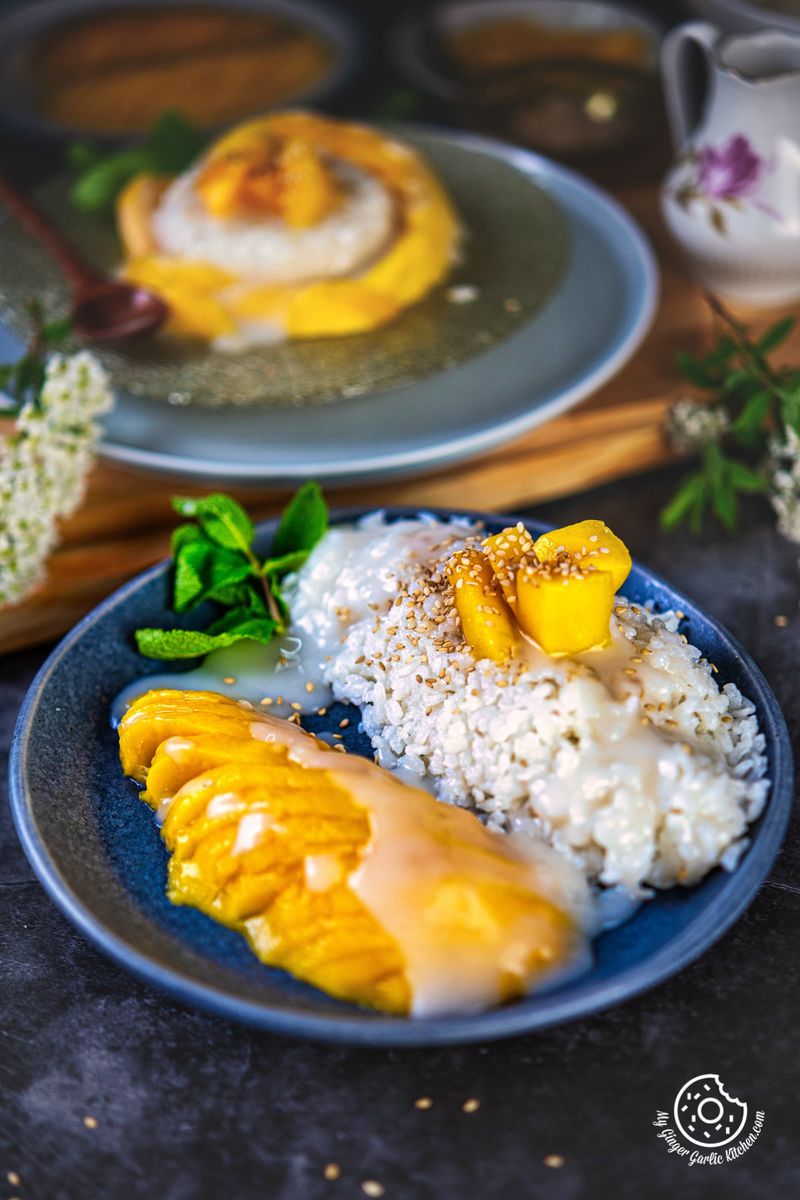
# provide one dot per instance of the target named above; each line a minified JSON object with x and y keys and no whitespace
{"x":565,"y":609}
{"x":587,"y":542}
{"x":487,"y":622}
{"x":507,"y":551}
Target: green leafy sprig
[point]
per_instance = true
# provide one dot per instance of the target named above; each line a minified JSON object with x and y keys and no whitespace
{"x":21,"y":381}
{"x":214,"y":560}
{"x":171,"y":147}
{"x":749,"y":401}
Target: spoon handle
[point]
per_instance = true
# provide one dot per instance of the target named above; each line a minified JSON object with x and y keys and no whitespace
{"x":78,"y":272}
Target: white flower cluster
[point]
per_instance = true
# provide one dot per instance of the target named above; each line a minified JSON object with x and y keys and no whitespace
{"x":43,"y":467}
{"x":784,"y":482}
{"x":691,"y":426}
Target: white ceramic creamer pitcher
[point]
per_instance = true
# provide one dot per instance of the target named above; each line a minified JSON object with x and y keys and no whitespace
{"x":732,"y":197}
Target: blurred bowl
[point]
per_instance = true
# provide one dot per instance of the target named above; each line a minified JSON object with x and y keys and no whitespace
{"x":24,"y":28}
{"x":568,"y":99}
{"x":416,"y":43}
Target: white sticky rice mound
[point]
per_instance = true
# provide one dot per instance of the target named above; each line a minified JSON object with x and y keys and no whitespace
{"x":633,"y":762}
{"x":266,"y":250}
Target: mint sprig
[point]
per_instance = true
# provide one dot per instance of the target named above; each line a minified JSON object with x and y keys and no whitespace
{"x":750,"y":401}
{"x":171,"y":146}
{"x":214,"y":560}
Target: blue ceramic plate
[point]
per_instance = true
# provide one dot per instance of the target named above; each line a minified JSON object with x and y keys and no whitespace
{"x":564,"y":288}
{"x":96,"y":849}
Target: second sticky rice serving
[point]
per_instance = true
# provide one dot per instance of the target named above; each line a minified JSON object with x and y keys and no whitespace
{"x":289,"y":226}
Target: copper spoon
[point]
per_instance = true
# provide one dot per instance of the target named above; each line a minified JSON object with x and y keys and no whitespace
{"x":103,"y":310}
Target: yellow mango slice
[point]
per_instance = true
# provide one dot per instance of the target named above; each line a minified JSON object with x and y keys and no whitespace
{"x":191,"y":290}
{"x":488,"y":625}
{"x":565,"y":609}
{"x":272,"y":833}
{"x":308,"y":188}
{"x":507,"y":551}
{"x":134,"y":209}
{"x":587,"y":542}
{"x":417,"y":259}
{"x":286,"y":179}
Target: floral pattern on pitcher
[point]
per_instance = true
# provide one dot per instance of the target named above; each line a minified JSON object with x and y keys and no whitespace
{"x":730,"y":174}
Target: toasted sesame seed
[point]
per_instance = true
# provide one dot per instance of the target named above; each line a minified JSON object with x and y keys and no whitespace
{"x":321,"y":712}
{"x":344,"y":723}
{"x":309,"y":686}
{"x":553,"y":1160}
{"x":296,"y":705}
{"x":470,"y":1106}
{"x":332,"y":1171}
{"x":371,"y":1187}
{"x":423,"y":1102}
{"x":13,"y":1178}
{"x":781,"y":621}
{"x":91,"y":1122}
{"x":229,"y":679}
{"x":266,"y":701}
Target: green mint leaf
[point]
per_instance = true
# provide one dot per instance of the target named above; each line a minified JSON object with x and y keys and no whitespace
{"x":734,"y":380}
{"x":695,"y":371}
{"x":726,"y":506}
{"x":184,"y":535}
{"x":790,"y":403}
{"x":96,"y":188}
{"x":683,"y":501}
{"x":743,"y":479}
{"x":204,"y":571}
{"x":303,"y":522}
{"x":721,"y":354}
{"x":220,"y":518}
{"x":81,"y":155}
{"x":245,"y":624}
{"x":28,"y":377}
{"x":748,"y":428}
{"x":173,"y":144}
{"x":193,"y":643}
{"x":55,"y":333}
{"x":776,"y":334}
{"x":287,"y":562}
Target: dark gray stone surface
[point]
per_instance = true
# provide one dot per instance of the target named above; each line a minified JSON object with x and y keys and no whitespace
{"x":192,"y":1108}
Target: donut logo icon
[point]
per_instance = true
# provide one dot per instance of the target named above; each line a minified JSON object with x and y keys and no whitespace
{"x":706,"y":1115}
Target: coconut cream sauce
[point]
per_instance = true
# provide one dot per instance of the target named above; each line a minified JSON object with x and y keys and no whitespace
{"x":416,"y":847}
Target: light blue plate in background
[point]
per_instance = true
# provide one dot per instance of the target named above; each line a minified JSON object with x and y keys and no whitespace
{"x":585,"y":317}
{"x":96,"y":848}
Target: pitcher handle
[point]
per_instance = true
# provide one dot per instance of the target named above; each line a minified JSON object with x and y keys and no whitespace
{"x":685,"y":94}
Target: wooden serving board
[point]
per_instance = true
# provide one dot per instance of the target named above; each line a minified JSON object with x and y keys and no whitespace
{"x":125,"y":522}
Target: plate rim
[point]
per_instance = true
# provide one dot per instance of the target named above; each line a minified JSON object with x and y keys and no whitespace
{"x":446,"y":452}
{"x":365,"y":1029}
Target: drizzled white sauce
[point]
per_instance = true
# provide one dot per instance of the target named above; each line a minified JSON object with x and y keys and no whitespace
{"x":417,"y":853}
